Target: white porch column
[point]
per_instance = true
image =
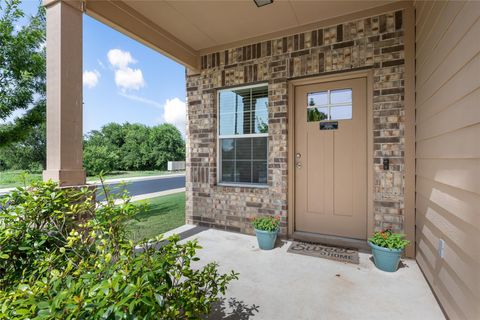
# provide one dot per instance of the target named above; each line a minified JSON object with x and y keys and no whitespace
{"x":64,"y":92}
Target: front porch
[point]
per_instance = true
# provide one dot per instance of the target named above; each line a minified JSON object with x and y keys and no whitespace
{"x":420,"y":61}
{"x":280,"y":285}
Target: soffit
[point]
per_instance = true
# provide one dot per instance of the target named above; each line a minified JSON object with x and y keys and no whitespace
{"x":186,"y":29}
{"x":205,"y":24}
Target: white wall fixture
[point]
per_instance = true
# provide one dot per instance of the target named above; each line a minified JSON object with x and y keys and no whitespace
{"x":441,"y":248}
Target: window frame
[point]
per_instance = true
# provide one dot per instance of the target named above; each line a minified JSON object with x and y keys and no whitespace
{"x":239,"y":136}
{"x":329,"y":105}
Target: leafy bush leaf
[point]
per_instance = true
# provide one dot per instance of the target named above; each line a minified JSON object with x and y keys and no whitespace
{"x":65,"y":256}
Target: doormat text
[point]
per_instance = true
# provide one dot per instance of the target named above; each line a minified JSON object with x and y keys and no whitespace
{"x":324,"y":251}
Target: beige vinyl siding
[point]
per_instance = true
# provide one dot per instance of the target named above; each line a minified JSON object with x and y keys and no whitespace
{"x":448,"y":152}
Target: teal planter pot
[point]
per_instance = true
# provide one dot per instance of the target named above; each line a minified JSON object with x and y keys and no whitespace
{"x":266,"y":239}
{"x":386,"y":259}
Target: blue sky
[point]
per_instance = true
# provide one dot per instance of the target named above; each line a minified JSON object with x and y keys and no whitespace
{"x":133,"y":83}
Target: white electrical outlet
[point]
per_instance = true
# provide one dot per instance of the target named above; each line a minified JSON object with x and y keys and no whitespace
{"x":441,"y":248}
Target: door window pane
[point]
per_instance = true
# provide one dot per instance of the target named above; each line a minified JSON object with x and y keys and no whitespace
{"x":341,"y":113}
{"x":317,"y":114}
{"x":329,"y":105}
{"x":317,"y":98}
{"x":341,"y":96}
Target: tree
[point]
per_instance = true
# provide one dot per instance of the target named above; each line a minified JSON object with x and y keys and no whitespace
{"x":98,"y":158}
{"x":115,"y":133}
{"x":166,"y":144}
{"x":135,"y":152}
{"x":100,"y":152}
{"x":29,"y":154}
{"x":22,"y":72}
{"x":132,"y":147}
{"x":314,"y":114}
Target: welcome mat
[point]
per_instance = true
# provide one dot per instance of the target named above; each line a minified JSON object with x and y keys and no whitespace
{"x":324,"y":251}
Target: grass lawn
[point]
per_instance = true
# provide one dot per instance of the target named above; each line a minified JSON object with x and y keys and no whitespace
{"x":163,"y":214}
{"x":13,"y":178}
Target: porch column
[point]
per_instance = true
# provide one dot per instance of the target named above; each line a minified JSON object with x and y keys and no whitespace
{"x":64,"y":92}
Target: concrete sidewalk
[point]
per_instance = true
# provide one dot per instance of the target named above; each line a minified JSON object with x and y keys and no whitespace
{"x":280,"y":285}
{"x":152,"y":195}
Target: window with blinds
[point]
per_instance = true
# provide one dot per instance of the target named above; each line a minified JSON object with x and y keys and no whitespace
{"x":243,"y":135}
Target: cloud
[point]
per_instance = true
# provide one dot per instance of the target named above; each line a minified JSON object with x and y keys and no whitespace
{"x":175,"y":112}
{"x":120,"y":59}
{"x":129,"y":78}
{"x":90,"y":78}
{"x":100,"y":63}
{"x":126,"y":78}
{"x":141,"y":99}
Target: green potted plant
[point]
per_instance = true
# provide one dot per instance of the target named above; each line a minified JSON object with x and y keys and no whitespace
{"x":387,"y":248}
{"x":266,"y":230}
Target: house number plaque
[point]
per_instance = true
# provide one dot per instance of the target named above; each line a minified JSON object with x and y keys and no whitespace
{"x":330,"y":125}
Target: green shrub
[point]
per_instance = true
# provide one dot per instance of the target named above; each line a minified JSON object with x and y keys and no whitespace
{"x":388,"y":239}
{"x":63,"y":256}
{"x":266,"y":223}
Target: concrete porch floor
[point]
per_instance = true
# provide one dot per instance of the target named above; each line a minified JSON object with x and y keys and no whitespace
{"x":280,"y":285}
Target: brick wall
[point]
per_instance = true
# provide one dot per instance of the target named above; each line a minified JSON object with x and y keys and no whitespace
{"x":373,"y":42}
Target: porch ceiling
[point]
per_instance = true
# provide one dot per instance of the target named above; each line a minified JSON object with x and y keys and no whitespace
{"x":184,"y":30}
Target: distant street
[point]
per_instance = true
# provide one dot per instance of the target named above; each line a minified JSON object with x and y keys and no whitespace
{"x":136,"y":186}
{"x":144,"y":186}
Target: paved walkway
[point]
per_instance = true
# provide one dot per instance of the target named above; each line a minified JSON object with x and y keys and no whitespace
{"x":276,"y":285}
{"x":152,"y":195}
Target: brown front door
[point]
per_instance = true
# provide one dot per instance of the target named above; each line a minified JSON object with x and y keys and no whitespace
{"x":331,"y":158}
